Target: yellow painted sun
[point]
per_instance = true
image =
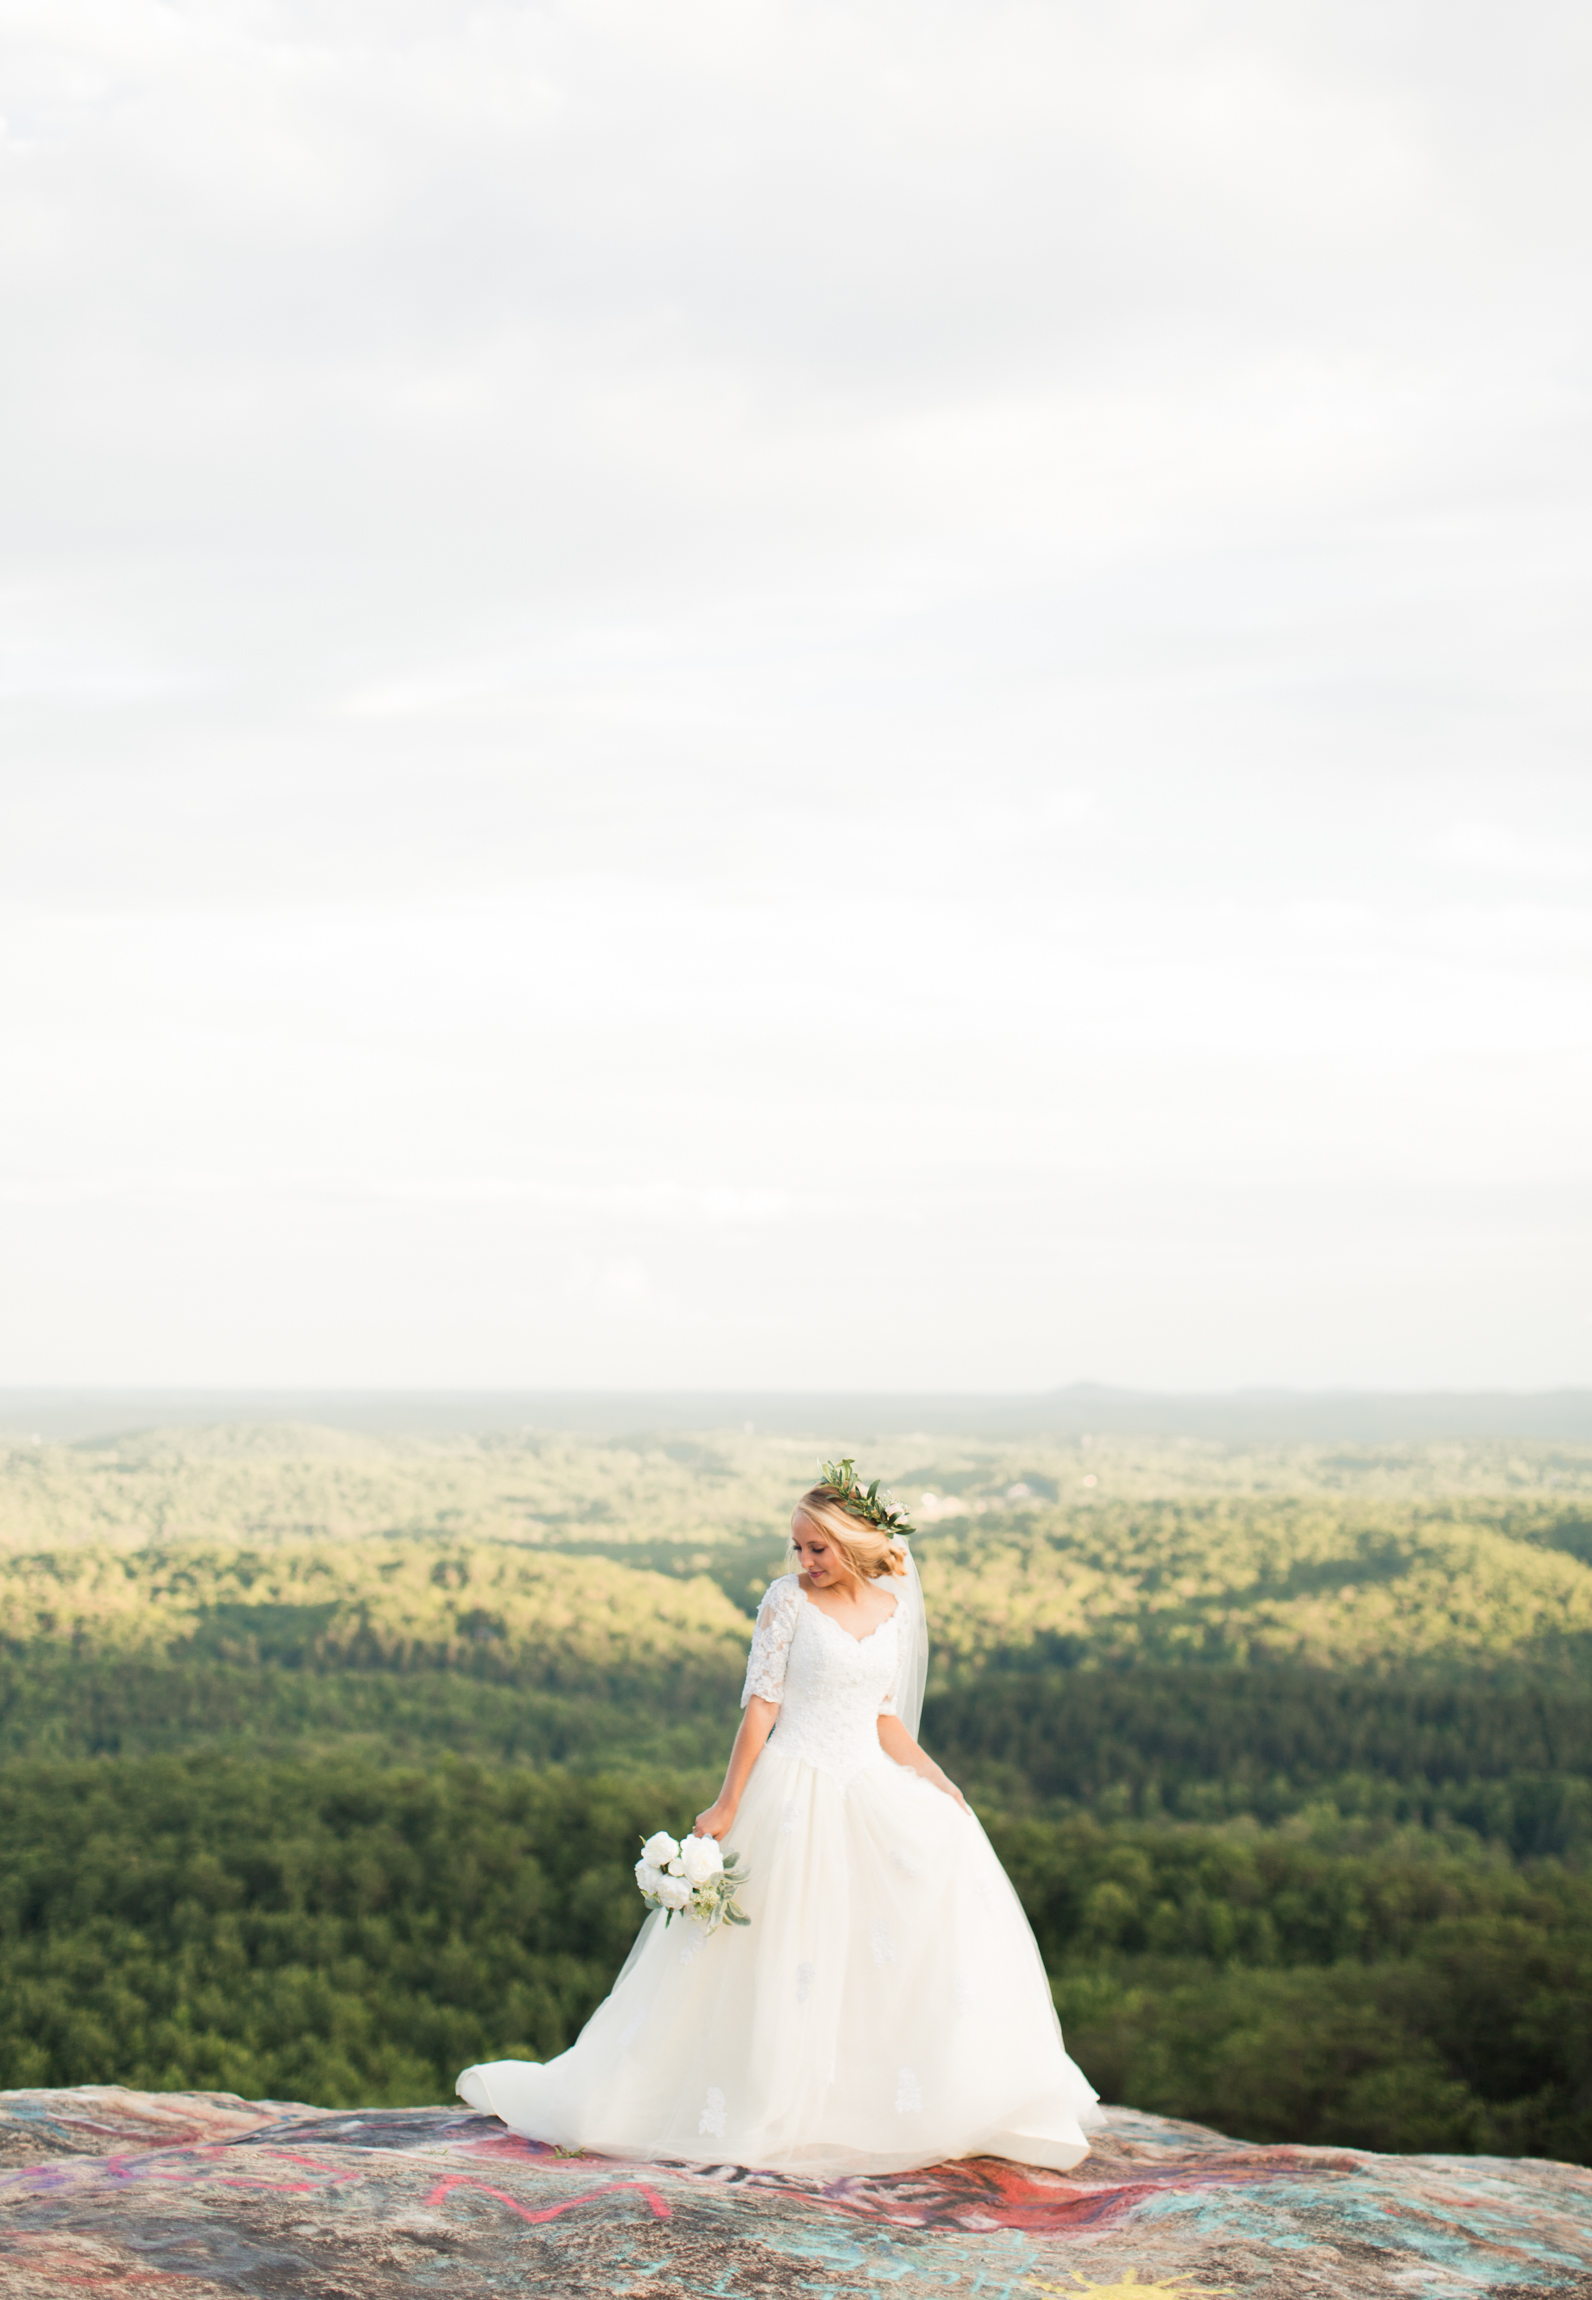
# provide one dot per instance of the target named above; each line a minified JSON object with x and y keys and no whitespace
{"x":1128,"y":2287}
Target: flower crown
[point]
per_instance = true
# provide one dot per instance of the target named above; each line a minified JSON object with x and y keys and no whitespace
{"x":867,"y":1502}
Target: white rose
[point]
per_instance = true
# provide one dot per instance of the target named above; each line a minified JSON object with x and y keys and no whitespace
{"x":648,"y":1878}
{"x":660,"y":1850}
{"x":701,"y":1859}
{"x":673,"y":1892}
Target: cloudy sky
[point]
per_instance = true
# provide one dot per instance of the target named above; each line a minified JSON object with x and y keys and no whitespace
{"x":868,"y":692}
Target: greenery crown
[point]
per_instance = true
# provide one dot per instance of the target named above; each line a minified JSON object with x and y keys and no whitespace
{"x":866,"y":1502}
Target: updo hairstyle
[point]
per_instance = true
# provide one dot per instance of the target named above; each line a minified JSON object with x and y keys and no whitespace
{"x":868,"y":1552}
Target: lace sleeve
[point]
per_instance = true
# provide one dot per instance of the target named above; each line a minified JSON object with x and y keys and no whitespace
{"x":776,"y":1626}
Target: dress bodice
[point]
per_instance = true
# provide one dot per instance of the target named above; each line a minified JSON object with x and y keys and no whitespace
{"x":832,"y":1688}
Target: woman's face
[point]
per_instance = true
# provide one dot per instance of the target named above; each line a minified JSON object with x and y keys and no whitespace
{"x":816,"y":1553}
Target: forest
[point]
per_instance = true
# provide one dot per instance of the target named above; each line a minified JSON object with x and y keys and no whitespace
{"x":323,"y":1758}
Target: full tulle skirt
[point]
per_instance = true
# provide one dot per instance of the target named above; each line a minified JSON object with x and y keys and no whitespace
{"x":885,"y":2009}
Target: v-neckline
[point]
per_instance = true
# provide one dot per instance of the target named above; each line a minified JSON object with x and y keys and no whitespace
{"x":840,"y":1625}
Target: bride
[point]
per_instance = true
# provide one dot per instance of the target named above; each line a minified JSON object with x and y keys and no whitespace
{"x":886,"y":2007}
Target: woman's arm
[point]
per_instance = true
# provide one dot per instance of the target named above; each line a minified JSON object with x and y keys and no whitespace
{"x":760,"y":1719}
{"x":897,"y":1742}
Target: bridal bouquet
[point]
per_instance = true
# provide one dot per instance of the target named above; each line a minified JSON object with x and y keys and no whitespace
{"x":691,"y":1878}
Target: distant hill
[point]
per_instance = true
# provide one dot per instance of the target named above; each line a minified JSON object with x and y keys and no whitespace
{"x":547,"y":1561}
{"x":1281,"y":1417}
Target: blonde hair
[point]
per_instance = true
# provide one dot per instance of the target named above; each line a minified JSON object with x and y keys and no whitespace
{"x":866,"y":1552}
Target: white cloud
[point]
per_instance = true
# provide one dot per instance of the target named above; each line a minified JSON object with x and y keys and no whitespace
{"x":729,"y":643}
{"x":1528,"y":854}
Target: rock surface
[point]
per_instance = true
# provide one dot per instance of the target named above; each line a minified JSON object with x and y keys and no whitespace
{"x":201,"y":2196}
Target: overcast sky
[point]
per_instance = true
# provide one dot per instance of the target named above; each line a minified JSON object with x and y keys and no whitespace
{"x":811,"y":694}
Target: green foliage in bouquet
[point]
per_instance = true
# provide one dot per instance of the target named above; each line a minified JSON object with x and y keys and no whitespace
{"x":719,"y":1896}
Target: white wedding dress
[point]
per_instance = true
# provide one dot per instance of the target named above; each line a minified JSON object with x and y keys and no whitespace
{"x":885,"y":2009}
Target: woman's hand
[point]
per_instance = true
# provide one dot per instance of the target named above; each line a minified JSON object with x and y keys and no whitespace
{"x":717,"y":1821}
{"x":897,"y":1743}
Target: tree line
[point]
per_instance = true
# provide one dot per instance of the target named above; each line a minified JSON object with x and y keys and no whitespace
{"x":345,"y":1934}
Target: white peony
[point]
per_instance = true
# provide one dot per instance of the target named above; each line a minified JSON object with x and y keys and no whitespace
{"x":673,"y":1892}
{"x":648,"y":1877}
{"x":701,"y":1859}
{"x":660,"y":1850}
